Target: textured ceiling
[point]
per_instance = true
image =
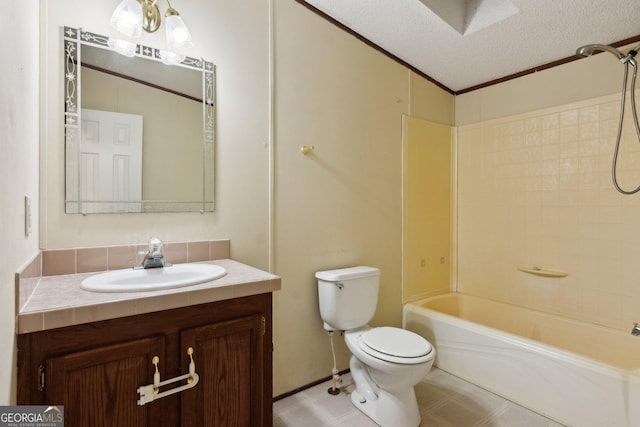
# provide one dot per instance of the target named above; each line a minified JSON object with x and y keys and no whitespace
{"x":456,"y":53}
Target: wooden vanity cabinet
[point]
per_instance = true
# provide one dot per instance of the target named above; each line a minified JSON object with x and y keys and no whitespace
{"x":95,"y":369}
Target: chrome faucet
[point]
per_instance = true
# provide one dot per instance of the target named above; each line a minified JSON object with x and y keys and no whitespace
{"x":154,"y":258}
{"x":636,"y":329}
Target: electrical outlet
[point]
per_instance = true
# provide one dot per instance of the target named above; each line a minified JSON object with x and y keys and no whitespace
{"x":27,"y":216}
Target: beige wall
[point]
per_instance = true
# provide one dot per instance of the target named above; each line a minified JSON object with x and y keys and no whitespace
{"x":534,"y":189}
{"x":578,"y":80}
{"x":340,"y":205}
{"x":18,"y":168}
{"x":429,"y":102}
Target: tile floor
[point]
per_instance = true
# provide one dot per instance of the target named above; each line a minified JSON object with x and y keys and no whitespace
{"x":444,"y":401}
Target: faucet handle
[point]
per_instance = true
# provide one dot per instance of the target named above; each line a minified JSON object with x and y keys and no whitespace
{"x":155,"y":246}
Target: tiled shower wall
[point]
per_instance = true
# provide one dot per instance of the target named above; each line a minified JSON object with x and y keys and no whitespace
{"x":536,"y":190}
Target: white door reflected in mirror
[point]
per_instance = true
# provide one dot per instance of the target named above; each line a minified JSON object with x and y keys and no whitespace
{"x":111,"y":161}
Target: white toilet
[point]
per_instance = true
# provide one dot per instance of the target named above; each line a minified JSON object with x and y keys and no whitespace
{"x":386,"y":362}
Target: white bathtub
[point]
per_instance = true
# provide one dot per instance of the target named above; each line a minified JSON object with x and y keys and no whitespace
{"x":576,"y":373}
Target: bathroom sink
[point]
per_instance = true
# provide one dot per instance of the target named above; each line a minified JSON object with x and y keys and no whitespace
{"x":153,"y":279}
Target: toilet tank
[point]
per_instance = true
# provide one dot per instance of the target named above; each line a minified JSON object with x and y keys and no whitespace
{"x":347,"y":296}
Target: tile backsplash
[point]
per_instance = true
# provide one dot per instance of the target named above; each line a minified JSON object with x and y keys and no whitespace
{"x":86,"y":260}
{"x":536,"y":190}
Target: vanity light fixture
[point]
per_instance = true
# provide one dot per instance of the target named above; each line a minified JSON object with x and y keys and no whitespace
{"x":170,"y":58}
{"x":127,"y":18}
{"x":178,"y":34}
{"x":123,"y":47}
{"x":132,"y":16}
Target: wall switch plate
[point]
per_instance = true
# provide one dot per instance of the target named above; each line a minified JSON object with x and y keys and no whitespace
{"x":27,"y":216}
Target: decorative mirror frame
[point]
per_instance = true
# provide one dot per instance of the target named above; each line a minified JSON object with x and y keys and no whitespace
{"x":73,"y":39}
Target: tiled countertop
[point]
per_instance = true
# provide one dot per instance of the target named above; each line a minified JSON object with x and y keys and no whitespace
{"x":58,"y":301}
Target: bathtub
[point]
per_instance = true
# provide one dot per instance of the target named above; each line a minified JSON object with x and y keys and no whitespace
{"x":576,"y":373}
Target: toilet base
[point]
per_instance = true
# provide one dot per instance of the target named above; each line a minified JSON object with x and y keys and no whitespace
{"x":399,"y":409}
{"x":390,"y":410}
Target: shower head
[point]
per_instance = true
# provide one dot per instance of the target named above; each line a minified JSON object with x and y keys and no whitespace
{"x":590,"y":49}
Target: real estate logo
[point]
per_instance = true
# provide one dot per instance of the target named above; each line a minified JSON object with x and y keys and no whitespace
{"x":31,"y":416}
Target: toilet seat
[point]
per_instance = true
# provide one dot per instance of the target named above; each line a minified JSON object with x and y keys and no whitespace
{"x":396,"y":345}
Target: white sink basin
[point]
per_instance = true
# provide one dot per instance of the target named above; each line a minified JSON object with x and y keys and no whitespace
{"x":153,"y":279}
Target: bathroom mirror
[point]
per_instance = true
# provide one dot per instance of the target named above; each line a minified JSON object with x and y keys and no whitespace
{"x":139,"y":129}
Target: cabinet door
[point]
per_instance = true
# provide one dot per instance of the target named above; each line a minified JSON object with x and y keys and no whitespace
{"x":228,"y":357}
{"x":98,"y":387}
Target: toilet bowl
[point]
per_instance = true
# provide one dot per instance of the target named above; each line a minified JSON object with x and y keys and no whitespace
{"x":386,"y":364}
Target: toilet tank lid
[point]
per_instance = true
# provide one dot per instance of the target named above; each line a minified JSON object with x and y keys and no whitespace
{"x":347,"y":273}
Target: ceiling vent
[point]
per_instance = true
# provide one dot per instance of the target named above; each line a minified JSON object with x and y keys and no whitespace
{"x":469,"y":16}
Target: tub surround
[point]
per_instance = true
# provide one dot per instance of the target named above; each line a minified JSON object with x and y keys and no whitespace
{"x":536,"y":187}
{"x":49,"y":294}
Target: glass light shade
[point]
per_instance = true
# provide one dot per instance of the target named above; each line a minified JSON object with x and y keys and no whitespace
{"x":178,"y":34}
{"x":170,"y":58}
{"x":127,"y":18}
{"x":123,"y":47}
